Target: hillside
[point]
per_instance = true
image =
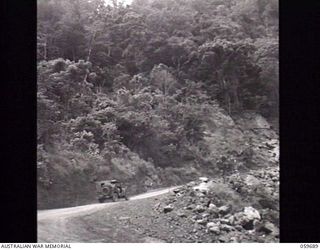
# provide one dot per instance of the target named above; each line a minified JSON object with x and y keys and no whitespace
{"x":155,"y":94}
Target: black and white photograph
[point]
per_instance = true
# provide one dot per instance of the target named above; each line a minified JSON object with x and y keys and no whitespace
{"x":157,"y":121}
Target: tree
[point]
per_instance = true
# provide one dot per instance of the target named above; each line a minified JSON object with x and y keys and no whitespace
{"x":267,"y":57}
{"x":229,"y":66}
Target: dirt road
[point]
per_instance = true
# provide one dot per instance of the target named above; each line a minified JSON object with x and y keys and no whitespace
{"x":67,"y":224}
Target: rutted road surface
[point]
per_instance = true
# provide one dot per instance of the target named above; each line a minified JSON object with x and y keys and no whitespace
{"x":70,"y":224}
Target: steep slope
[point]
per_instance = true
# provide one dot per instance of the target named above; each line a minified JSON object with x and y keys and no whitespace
{"x":228,"y":145}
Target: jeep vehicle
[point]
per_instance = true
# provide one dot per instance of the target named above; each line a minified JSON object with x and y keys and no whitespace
{"x":110,"y":189}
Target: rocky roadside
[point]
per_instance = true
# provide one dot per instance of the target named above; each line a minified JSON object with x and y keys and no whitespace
{"x":241,"y":206}
{"x":242,"y":209}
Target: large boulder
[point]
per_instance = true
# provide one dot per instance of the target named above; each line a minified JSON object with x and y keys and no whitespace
{"x":247,"y":218}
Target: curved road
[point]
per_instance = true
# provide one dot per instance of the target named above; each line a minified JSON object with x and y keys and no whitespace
{"x":52,"y":224}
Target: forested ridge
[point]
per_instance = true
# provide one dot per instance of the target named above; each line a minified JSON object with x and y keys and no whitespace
{"x":154,"y":93}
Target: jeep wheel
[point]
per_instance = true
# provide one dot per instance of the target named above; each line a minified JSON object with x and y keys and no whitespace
{"x":115,"y":197}
{"x":101,"y":200}
{"x":126,"y":198}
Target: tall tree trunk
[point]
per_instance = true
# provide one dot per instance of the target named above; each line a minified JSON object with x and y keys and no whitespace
{"x":91,"y":44}
{"x":89,"y":54}
{"x":225,"y":88}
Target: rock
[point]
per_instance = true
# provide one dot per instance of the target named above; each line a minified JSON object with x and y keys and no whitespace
{"x":217,"y":221}
{"x":212,"y":224}
{"x":227,"y":216}
{"x":269,"y":228}
{"x":177,"y":190}
{"x":226,"y":228}
{"x":224,"y":221}
{"x":181,"y":214}
{"x":214,"y":229}
{"x":252,"y":213}
{"x":195,"y":217}
{"x":270,"y":146}
{"x":224,"y":210}
{"x":201,"y":194}
{"x":211,"y":205}
{"x":223,"y":239}
{"x":202,"y":221}
{"x":205,"y":215}
{"x":204,"y":179}
{"x":233,"y":239}
{"x":190,"y":207}
{"x":250,"y":180}
{"x":168,"y":208}
{"x":179,"y":194}
{"x":231,"y":220}
{"x":172,"y":200}
{"x":199,"y":208}
{"x":247,"y":217}
{"x":212,"y":209}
